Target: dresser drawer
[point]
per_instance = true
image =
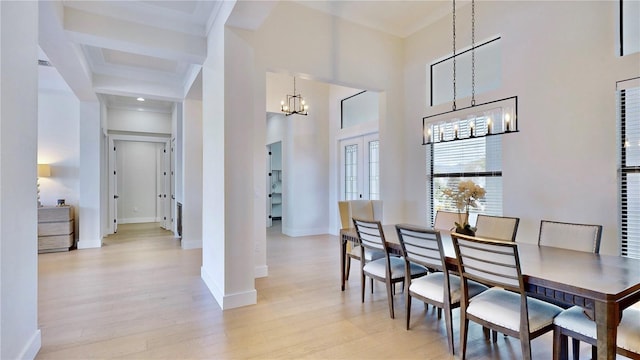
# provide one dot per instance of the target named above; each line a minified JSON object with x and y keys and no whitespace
{"x":53,"y":214}
{"x":55,"y":243}
{"x":55,"y":228}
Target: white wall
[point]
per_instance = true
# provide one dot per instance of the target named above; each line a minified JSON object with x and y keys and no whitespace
{"x":19,"y":334}
{"x":59,"y":146}
{"x":139,"y":121}
{"x":562,"y":164}
{"x":137,"y":169}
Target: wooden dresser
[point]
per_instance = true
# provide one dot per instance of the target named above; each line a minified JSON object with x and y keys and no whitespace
{"x":55,"y":228}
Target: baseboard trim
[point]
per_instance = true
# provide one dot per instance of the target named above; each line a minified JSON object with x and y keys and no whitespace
{"x":303,"y":232}
{"x":261,"y":271}
{"x":137,"y":220}
{"x":89,"y":244}
{"x":191,"y":244}
{"x":32,"y":347}
{"x":231,"y":301}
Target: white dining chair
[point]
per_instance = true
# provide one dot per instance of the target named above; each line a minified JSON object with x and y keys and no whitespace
{"x":446,"y":220}
{"x":441,"y":289}
{"x":505,"y":307}
{"x":497,"y":227}
{"x":573,"y":236}
{"x":390,"y":269}
{"x":574,"y":323}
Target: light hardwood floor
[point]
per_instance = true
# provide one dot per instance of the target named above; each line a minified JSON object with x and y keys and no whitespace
{"x":141,"y":297}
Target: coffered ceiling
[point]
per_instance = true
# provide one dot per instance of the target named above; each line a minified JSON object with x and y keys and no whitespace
{"x":123,"y":50}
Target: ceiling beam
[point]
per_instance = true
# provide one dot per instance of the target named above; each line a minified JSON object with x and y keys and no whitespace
{"x":102,"y":31}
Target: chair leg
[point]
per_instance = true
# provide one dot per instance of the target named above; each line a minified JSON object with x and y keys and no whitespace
{"x":439,"y":313}
{"x":560,"y":346}
{"x":371,"y":280}
{"x":594,"y":352}
{"x":494,"y":336}
{"x":408,"y":301}
{"x":575,"y":348}
{"x":362,"y":283}
{"x":448,"y":323}
{"x":348,"y":270}
{"x":390,"y":298}
{"x":464,"y":327}
{"x":525,"y":344}
{"x":486,"y":332}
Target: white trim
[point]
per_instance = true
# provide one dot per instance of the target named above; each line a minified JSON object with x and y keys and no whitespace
{"x":89,"y":244}
{"x":303,"y":232}
{"x":137,"y":220}
{"x":228,"y":301}
{"x":32,"y":347}
{"x":261,"y":271}
{"x":190,"y":244}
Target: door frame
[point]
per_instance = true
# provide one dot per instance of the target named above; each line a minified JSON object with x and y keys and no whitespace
{"x":112,"y":176}
{"x":363,"y":158}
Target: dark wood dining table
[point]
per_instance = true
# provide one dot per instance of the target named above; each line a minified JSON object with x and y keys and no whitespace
{"x":603,"y":285}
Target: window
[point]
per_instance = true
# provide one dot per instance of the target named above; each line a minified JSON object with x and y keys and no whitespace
{"x":479,"y":160}
{"x":359,"y":109}
{"x":629,"y":135}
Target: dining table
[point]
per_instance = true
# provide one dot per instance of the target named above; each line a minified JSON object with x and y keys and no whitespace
{"x":603,"y":285}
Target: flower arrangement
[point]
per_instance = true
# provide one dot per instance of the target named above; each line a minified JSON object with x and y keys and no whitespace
{"x":465,"y":196}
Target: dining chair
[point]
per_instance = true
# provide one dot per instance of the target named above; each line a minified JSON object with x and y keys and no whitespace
{"x":389,"y":269}
{"x":445,"y":220}
{"x":580,"y":237}
{"x":505,"y":307}
{"x":497,"y":227}
{"x":574,"y":323}
{"x":441,"y":289}
{"x":361,"y":209}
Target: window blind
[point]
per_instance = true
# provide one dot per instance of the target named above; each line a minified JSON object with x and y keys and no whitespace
{"x":629,"y":135}
{"x":476,"y":159}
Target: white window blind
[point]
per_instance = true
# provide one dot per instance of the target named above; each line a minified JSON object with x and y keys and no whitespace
{"x":477,"y":159}
{"x":629,"y":133}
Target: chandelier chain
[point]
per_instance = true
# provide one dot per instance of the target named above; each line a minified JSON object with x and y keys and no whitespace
{"x":454,"y":55}
{"x":473,"y":53}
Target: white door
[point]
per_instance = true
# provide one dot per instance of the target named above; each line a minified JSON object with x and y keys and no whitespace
{"x":360,"y":168}
{"x":163,"y":186}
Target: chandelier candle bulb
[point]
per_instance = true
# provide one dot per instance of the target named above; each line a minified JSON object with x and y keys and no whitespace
{"x":471,"y":125}
{"x":507,"y":118}
{"x":455,"y":131}
{"x":489,"y":126}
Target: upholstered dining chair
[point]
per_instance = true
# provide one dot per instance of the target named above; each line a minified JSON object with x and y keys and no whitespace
{"x":441,"y":289}
{"x":497,"y":227}
{"x":505,"y":307}
{"x":361,"y":209}
{"x":445,"y":220}
{"x":574,"y":323}
{"x":580,"y":237}
{"x":389,"y":269}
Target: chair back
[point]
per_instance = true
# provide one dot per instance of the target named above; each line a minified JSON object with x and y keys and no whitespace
{"x":360,"y":209}
{"x":370,"y":234}
{"x":491,"y":262}
{"x":445,"y":220}
{"x":497,"y":227}
{"x":421,"y":246}
{"x":581,"y":237}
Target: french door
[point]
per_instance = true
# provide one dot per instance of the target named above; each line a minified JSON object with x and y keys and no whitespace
{"x":360,"y":168}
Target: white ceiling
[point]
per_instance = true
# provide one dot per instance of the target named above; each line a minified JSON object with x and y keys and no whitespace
{"x":122,"y":50}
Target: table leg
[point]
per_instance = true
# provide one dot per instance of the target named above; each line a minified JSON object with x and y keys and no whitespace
{"x":343,"y":252}
{"x":607,"y":320}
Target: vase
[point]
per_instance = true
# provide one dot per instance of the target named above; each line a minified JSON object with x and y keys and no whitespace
{"x":466,"y":230}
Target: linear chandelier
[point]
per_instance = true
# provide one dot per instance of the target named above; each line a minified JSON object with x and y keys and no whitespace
{"x":295,"y":104}
{"x":490,"y":118}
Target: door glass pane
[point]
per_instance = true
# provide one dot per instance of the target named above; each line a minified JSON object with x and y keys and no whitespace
{"x":374,"y":170}
{"x":351,"y":172}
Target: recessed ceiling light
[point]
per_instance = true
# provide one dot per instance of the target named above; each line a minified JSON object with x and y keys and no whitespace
{"x":140,"y":99}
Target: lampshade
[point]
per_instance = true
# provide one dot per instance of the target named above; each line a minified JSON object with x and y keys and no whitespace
{"x":44,"y":170}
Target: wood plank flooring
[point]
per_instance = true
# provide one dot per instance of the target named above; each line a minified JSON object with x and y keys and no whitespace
{"x":141,"y":297}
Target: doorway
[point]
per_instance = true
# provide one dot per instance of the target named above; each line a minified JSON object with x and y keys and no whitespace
{"x":360,"y":168}
{"x":274,"y":183}
{"x":140,"y":181}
